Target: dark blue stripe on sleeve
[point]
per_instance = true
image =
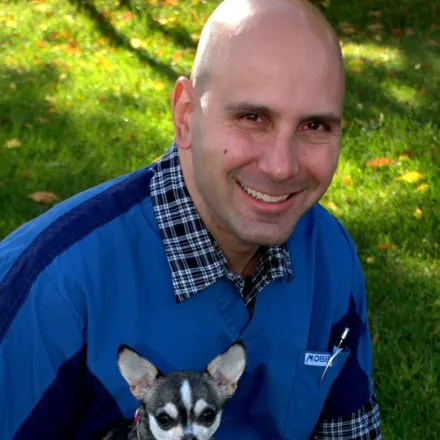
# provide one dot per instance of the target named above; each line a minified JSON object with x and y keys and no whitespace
{"x":64,"y":232}
{"x":76,"y":406}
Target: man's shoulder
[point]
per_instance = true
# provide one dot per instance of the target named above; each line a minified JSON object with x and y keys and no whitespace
{"x":324,"y":230}
{"x":39,"y":241}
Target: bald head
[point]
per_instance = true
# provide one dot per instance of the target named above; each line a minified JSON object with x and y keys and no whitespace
{"x":241,"y":28}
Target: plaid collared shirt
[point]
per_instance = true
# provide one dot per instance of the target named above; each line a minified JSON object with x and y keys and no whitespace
{"x":195,"y":258}
{"x":196,"y":262}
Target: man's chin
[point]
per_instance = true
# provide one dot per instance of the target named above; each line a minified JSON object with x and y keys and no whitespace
{"x":266,"y":236}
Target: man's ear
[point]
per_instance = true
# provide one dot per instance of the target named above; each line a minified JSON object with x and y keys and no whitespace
{"x":139,"y":373}
{"x":183,"y":100}
{"x":227,"y":368}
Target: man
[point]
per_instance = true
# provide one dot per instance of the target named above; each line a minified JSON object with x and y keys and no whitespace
{"x":222,"y":239}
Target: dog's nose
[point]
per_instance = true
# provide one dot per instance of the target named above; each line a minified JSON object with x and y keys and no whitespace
{"x":189,"y":437}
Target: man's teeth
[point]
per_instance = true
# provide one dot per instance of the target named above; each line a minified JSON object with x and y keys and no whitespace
{"x":264,"y":197}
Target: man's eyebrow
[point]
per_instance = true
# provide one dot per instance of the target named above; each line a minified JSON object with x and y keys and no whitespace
{"x":249,"y":107}
{"x":323,"y":118}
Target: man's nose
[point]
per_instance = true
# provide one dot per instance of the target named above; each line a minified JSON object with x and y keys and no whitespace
{"x":189,"y":437}
{"x":280,"y":161}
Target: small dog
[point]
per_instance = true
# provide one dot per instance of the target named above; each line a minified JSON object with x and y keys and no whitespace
{"x":182,"y":405}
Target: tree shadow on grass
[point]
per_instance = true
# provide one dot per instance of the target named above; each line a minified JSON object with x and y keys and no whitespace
{"x":178,"y":34}
{"x":57,"y":152}
{"x":107,"y":29}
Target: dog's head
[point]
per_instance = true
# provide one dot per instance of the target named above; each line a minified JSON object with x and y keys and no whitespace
{"x":182,"y":405}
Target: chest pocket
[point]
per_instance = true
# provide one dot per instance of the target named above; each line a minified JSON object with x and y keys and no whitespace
{"x":308,"y":394}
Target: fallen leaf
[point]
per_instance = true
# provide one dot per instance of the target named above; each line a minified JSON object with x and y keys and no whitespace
{"x":50,"y":99}
{"x":127,"y":16}
{"x":332,"y":206}
{"x":423,"y":91}
{"x":25,"y":174}
{"x":423,"y":187}
{"x":13,"y":86}
{"x":397,"y":32}
{"x":418,"y":213}
{"x":158,"y":85}
{"x":195,"y":37}
{"x":41,"y":8}
{"x":380,"y":163}
{"x":41,"y":43}
{"x":356,"y":69}
{"x":347,"y":28}
{"x":102,"y":41}
{"x":370,"y":260}
{"x":410,"y":176}
{"x":177,"y":55}
{"x":346,"y":181}
{"x":12,"y":143}
{"x":136,"y":43}
{"x":406,"y":152}
{"x":409,"y":32}
{"x":172,"y":2}
{"x":375,"y":340}
{"x":374,"y":13}
{"x":403,"y":157}
{"x":42,"y":120}
{"x":432,"y":43}
{"x":385,"y":246}
{"x":11,"y":23}
{"x":375,"y":27}
{"x":44,"y":197}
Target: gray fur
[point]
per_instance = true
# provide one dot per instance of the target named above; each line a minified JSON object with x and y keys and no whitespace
{"x":211,"y":385}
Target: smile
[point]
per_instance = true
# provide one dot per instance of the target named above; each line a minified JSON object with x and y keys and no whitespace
{"x":264,"y":197}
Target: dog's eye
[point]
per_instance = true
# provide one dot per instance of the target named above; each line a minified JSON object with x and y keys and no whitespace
{"x":207,"y":416}
{"x":164,"y":421}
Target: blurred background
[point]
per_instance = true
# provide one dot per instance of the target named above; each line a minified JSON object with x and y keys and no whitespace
{"x":85,"y":89}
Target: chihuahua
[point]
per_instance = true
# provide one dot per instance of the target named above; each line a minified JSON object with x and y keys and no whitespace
{"x":181,"y":405}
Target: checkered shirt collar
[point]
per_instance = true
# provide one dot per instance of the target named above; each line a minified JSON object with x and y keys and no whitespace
{"x":195,"y":259}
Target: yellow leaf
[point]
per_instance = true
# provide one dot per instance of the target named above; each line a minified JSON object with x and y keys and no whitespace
{"x":332,"y":206}
{"x":44,"y":197}
{"x":12,"y":143}
{"x":11,"y":23}
{"x":403,"y":157}
{"x":13,"y":86}
{"x":195,"y":37}
{"x":158,"y":85}
{"x":41,"y":8}
{"x":410,"y":176}
{"x":136,"y":43}
{"x":422,"y":187}
{"x":370,"y":260}
{"x":418,"y":213}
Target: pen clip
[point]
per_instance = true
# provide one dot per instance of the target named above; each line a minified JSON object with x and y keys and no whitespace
{"x":338,"y":349}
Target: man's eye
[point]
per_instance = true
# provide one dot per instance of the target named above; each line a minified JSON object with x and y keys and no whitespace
{"x":252,"y":117}
{"x":316,"y":126}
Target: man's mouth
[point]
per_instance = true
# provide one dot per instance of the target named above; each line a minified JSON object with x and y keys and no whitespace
{"x":265,"y":197}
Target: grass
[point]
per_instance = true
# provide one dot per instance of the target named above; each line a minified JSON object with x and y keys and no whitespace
{"x":85,"y":97}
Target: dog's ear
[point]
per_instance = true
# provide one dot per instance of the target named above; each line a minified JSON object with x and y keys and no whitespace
{"x":227,"y":368}
{"x":137,"y":371}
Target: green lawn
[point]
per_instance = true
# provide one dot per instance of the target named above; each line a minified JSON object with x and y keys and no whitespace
{"x":85,"y":97}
